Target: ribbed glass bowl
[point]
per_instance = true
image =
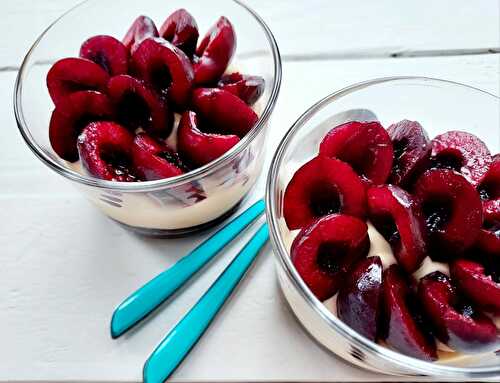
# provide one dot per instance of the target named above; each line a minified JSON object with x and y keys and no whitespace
{"x":439,"y":106}
{"x":173,"y":206}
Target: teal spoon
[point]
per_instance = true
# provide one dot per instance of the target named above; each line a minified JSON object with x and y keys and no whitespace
{"x":144,"y":300}
{"x":179,"y":341}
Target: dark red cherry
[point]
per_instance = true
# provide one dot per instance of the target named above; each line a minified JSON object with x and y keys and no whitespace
{"x":463,"y":152}
{"x":180,"y":29}
{"x":397,"y":216}
{"x":71,"y":115}
{"x":225,"y":112}
{"x":412,"y":149}
{"x":142,"y":28}
{"x":214,"y":52}
{"x":473,"y":281}
{"x":248,"y":88}
{"x":323,"y":186}
{"x":489,"y":186}
{"x":138,"y":106}
{"x":200,"y":148}
{"x":358,"y":302}
{"x":71,"y":75}
{"x":405,"y":328}
{"x":452,"y":210}
{"x":166,"y":68}
{"x":324,"y":251}
{"x":108,"y":52}
{"x":105,"y":151}
{"x":155,"y":160}
{"x":365,"y":146}
{"x":455,"y":322}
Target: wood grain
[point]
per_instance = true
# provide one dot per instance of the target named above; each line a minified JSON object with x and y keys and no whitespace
{"x":317,"y":29}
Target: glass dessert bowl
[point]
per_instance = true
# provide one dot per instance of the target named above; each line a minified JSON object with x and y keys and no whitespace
{"x":189,"y":200}
{"x":432,"y":103}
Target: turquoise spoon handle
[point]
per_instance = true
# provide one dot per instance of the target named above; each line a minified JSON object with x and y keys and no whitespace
{"x":179,"y":341}
{"x":144,"y":300}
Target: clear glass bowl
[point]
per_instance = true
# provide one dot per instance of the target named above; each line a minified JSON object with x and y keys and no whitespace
{"x":178,"y":205}
{"x":439,"y":106}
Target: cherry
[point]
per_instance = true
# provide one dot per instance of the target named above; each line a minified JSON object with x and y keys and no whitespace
{"x":325,"y":249}
{"x":365,"y":146}
{"x":323,"y":186}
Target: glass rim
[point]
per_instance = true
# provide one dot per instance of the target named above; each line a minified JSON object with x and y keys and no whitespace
{"x":146,"y":186}
{"x":418,"y":367}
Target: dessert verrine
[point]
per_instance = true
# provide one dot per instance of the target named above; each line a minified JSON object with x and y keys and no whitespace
{"x":399,"y":236}
{"x":156,"y":105}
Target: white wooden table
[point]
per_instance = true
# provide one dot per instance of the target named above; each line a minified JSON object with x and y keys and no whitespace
{"x":64,"y":266}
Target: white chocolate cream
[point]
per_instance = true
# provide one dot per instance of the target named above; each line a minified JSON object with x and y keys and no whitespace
{"x":163,"y":210}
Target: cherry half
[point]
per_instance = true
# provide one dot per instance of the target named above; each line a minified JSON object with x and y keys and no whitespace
{"x":359,"y":298}
{"x":324,"y":251}
{"x":323,"y":186}
{"x":366,"y":146}
{"x":455,"y":322}
{"x":105,"y":151}
{"x":452,"y":210}
{"x":214,"y":52}
{"x":397,"y":216}
{"x":197,"y":147}
{"x":405,"y":328}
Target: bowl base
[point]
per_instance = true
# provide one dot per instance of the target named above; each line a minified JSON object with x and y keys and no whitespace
{"x":182,"y":232}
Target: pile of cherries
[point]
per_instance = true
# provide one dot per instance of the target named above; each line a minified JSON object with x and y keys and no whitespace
{"x":438,"y":198}
{"x":115,"y":104}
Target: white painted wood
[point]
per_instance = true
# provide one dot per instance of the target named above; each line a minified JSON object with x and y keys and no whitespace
{"x":63,"y":266}
{"x":356,"y":28}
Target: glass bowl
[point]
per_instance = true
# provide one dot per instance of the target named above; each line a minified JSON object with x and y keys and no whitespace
{"x":177,"y":205}
{"x":439,"y":106}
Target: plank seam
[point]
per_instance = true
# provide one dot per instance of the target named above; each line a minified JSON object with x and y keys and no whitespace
{"x":354,"y":55}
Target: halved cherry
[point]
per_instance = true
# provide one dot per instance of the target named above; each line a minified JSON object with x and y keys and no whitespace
{"x":472,"y":280}
{"x":365,"y":146}
{"x":154,"y":160}
{"x":405,"y":328}
{"x":71,"y":75}
{"x":105,"y":151}
{"x":452,"y":210}
{"x":412,"y":149}
{"x":358,"y":302}
{"x":489,"y":186}
{"x":138,"y":106}
{"x":489,"y":191}
{"x":166,"y":68}
{"x":108,"y":52}
{"x":224,"y":111}
{"x":180,"y":29}
{"x":214,"y":52}
{"x":488,"y":241}
{"x":397,"y":216}
{"x":323,"y":186}
{"x":248,"y":88}
{"x":197,"y":147}
{"x":142,"y":28}
{"x":71,"y":115}
{"x":324,"y":251}
{"x":463,"y":152}
{"x":455,"y":322}
{"x":491,"y":210}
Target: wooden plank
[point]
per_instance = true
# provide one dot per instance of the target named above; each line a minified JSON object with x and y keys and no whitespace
{"x":64,"y":266}
{"x":324,"y":28}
